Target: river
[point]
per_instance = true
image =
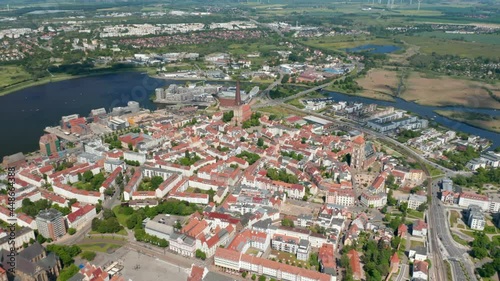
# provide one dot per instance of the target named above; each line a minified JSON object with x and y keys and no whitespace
{"x":26,"y":113}
{"x":428,"y":112}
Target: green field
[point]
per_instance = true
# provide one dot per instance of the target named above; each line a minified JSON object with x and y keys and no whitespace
{"x":451,"y":47}
{"x":492,"y":39}
{"x":99,"y":247}
{"x":341,"y":42}
{"x":454,"y":216}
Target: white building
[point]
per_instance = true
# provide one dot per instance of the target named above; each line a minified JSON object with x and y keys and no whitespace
{"x":466,"y":199}
{"x":373,"y":200}
{"x":414,"y":201}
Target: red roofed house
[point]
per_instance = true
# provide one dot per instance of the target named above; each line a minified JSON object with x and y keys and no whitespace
{"x":420,"y":270}
{"x":419,"y":228}
{"x":402,"y":230}
{"x":326,"y":258}
{"x":357,"y":270}
{"x":197,"y":273}
{"x":83,"y":215}
{"x":394,"y":262}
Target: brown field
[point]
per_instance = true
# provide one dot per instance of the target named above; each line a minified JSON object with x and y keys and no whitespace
{"x":491,"y":124}
{"x":443,"y":91}
{"x":379,"y":84}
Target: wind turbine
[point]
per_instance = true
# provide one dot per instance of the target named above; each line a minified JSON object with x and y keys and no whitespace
{"x":419,"y":1}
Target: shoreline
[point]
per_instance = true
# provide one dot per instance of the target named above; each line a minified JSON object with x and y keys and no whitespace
{"x":65,"y":77}
{"x":466,"y":121}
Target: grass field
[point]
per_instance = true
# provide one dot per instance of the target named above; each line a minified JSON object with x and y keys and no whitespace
{"x":297,"y":103}
{"x":99,"y":247}
{"x":486,"y":122}
{"x":441,"y":46}
{"x":443,"y":91}
{"x":459,"y":240}
{"x":492,"y":39}
{"x":122,"y":232}
{"x":12,"y":75}
{"x":341,"y":42}
{"x":415,"y":243}
{"x":122,"y":219}
{"x":379,"y":84}
{"x":454,"y":216}
{"x":415,"y":214}
{"x":279,"y":111}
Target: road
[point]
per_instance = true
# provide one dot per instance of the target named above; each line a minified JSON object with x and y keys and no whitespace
{"x":437,"y":221}
{"x":403,"y":272}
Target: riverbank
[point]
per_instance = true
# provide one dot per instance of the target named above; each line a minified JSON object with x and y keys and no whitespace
{"x":425,"y":89}
{"x":62,"y":77}
{"x":482,"y":121}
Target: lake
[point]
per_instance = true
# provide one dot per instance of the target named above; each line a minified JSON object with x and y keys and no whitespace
{"x":374,"y":49}
{"x":27,"y":112}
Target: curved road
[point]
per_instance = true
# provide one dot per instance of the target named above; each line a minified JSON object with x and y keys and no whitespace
{"x":436,"y":218}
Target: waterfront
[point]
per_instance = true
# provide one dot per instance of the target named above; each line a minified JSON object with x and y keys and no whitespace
{"x":428,"y":112}
{"x":27,"y":112}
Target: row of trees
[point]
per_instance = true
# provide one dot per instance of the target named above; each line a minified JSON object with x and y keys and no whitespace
{"x":141,"y":235}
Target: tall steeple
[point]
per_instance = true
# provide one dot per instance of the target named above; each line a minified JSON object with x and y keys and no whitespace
{"x":237,"y":97}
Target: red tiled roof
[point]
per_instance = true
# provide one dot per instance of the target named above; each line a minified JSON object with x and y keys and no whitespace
{"x":80,"y":213}
{"x":355,"y":263}
{"x":196,"y":273}
{"x":326,"y":255}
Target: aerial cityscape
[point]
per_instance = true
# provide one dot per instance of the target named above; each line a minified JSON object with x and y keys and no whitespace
{"x":298,"y":140}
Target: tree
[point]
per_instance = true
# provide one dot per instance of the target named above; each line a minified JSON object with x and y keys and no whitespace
{"x":200,"y":254}
{"x":88,"y":255}
{"x":479,"y":253}
{"x":244,"y":274}
{"x":68,"y":272}
{"x":87,"y":176}
{"x":260,"y":142}
{"x":287,"y":222}
{"x":262,"y":278}
{"x":71,"y":231}
{"x":254,"y":277}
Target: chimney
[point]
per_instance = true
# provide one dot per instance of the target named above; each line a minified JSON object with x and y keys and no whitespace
{"x":238,"y":94}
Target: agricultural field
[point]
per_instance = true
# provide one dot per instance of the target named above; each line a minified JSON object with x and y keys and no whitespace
{"x":442,"y":91}
{"x":379,"y":84}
